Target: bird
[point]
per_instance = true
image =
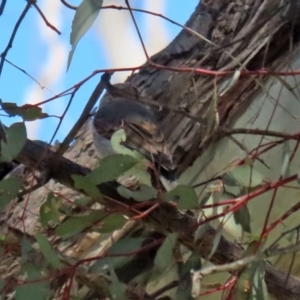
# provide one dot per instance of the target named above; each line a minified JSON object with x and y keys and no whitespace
{"x":120,"y":109}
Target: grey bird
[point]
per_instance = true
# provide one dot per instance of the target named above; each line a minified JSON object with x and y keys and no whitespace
{"x":119,"y":109}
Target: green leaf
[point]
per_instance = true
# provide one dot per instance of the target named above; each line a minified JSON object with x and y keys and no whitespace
{"x":242,"y":217}
{"x":1,"y":285}
{"x":185,"y":281}
{"x":124,"y":245}
{"x":83,"y":201}
{"x":111,"y":223}
{"x":15,"y":140}
{"x":164,"y":258}
{"x":117,"y":289}
{"x":48,"y":252}
{"x":77,"y":224}
{"x":37,"y":289}
{"x":26,"y":248}
{"x":216,"y":241}
{"x":28,"y":112}
{"x":244,"y":175}
{"x":201,"y":230}
{"x":286,"y":155}
{"x":9,"y":189}
{"x":184,"y":195}
{"x":298,"y":177}
{"x":84,"y":183}
{"x":117,"y":139}
{"x":111,"y":167}
{"x":50,"y":211}
{"x":140,"y":172}
{"x":144,"y":193}
{"x":2,"y":132}
{"x":85,"y":16}
{"x":251,"y":283}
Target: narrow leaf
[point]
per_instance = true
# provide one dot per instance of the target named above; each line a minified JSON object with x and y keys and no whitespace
{"x":144,"y":193}
{"x":112,"y":222}
{"x":85,"y":16}
{"x":245,"y":175}
{"x":285,"y":167}
{"x":242,"y":217}
{"x":164,"y":258}
{"x":216,"y":241}
{"x":124,"y":245}
{"x":77,"y":224}
{"x":184,"y":290}
{"x":117,"y":289}
{"x":48,"y":252}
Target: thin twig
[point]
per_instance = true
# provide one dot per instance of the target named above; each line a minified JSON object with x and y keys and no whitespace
{"x":23,"y":71}
{"x":63,"y":115}
{"x":10,"y":42}
{"x":65,"y":3}
{"x":84,"y":115}
{"x":164,"y":289}
{"x":45,"y":19}
{"x":2,"y":6}
{"x":278,"y":134}
{"x":138,"y":31}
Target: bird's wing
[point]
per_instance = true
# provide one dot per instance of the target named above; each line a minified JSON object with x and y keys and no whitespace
{"x":142,"y":131}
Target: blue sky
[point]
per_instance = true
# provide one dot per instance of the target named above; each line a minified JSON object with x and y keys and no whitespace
{"x":43,"y":54}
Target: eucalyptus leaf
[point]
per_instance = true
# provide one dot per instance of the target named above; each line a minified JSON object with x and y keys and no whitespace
{"x":112,"y":222}
{"x":164,"y":258}
{"x":125,"y":245}
{"x":117,"y":289}
{"x":76,"y":224}
{"x":85,"y":184}
{"x":245,"y":175}
{"x":242,"y":217}
{"x":117,"y":139}
{"x":48,"y":252}
{"x":33,"y":290}
{"x":86,"y":14}
{"x":83,"y":201}
{"x":184,"y":195}
{"x":286,"y":155}
{"x":50,"y":211}
{"x":140,"y":172}
{"x":111,"y":167}
{"x":184,"y":290}
{"x":216,"y":241}
{"x":16,"y":136}
{"x":251,"y":283}
{"x":9,"y":189}
{"x":28,"y":112}
{"x":38,"y":288}
{"x":144,"y":193}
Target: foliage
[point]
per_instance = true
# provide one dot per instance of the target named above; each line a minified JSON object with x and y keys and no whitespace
{"x":129,"y":235}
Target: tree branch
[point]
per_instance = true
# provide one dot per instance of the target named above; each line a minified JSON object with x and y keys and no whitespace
{"x":163,"y":219}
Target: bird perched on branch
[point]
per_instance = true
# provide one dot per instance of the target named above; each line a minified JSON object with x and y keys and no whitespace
{"x":119,"y":109}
